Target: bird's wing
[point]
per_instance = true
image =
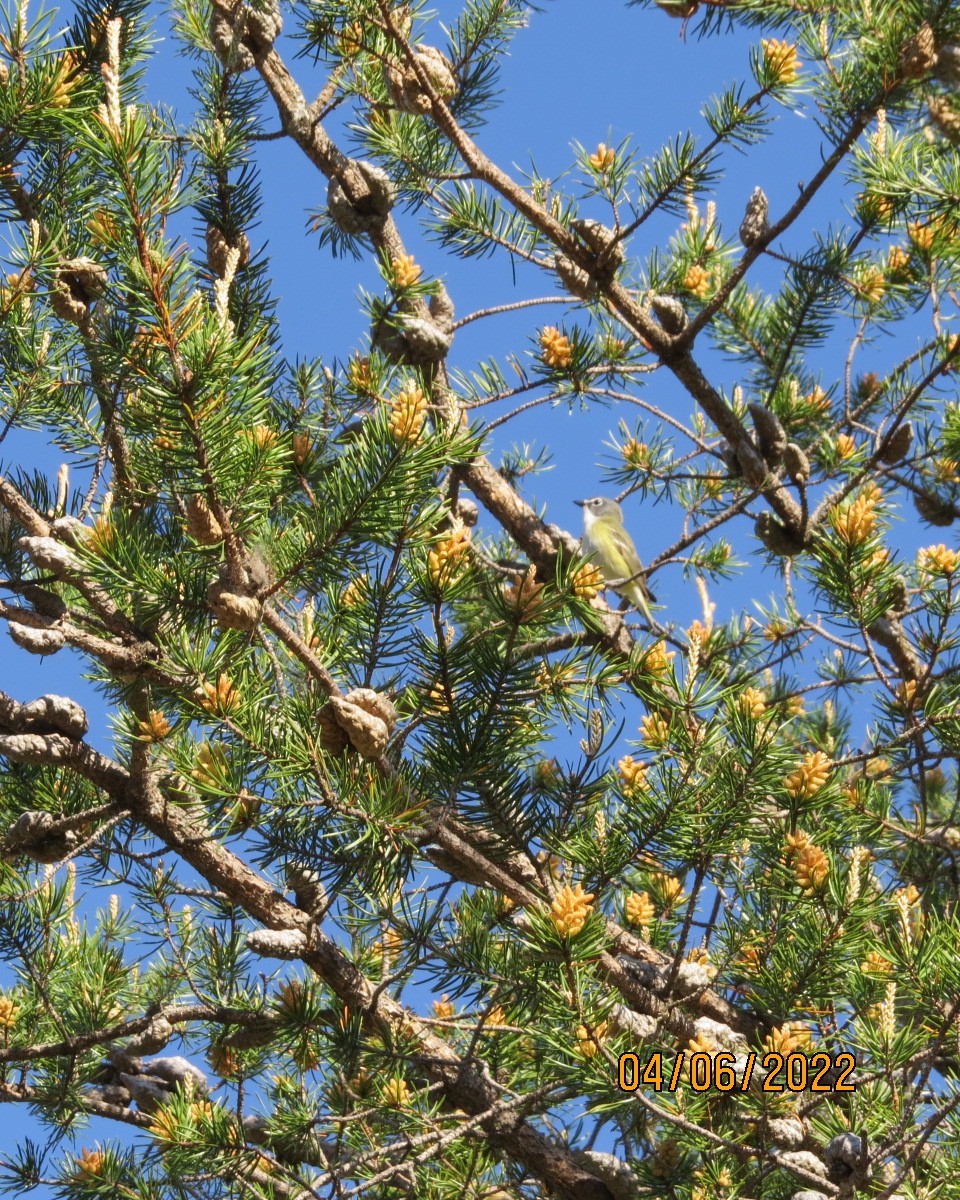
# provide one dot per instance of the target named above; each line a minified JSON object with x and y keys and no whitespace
{"x":627,"y":551}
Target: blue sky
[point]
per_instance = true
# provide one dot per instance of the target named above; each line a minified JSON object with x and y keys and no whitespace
{"x":583,"y":71}
{"x":579,"y":73}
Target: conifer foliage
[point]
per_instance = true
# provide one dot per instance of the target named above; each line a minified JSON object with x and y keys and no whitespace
{"x":415,"y":866}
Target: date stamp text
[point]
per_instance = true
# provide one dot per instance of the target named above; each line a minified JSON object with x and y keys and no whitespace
{"x":725,"y":1072}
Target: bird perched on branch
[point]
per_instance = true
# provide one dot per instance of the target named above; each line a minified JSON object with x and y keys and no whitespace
{"x":611,"y":548}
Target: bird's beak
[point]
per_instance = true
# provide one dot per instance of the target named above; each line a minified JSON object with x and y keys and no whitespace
{"x":580,"y":503}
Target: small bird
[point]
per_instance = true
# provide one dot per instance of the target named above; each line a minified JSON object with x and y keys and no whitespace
{"x":611,"y":548}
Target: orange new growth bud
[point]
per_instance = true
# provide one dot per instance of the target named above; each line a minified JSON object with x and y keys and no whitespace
{"x":571,"y":908}
{"x":557,"y":350}
{"x":782,"y":59}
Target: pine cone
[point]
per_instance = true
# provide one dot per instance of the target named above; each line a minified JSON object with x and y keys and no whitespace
{"x":77,"y":283}
{"x":679,"y":8}
{"x":30,"y":835}
{"x":575,"y":279}
{"x":228,"y":46}
{"x":948,"y":66}
{"x":202,"y":525}
{"x":50,"y":555}
{"x":363,"y":718}
{"x":247,"y":33}
{"x":368,"y":733}
{"x":218,"y":248}
{"x":776,"y":537}
{"x":235,"y":601}
{"x":332,"y":737}
{"x":68,"y":309}
{"x":754,"y":224}
{"x":786,"y":1132}
{"x":804,"y":1161}
{"x":898,"y":447}
{"x":367,"y":214}
{"x":48,"y":604}
{"x":732,"y":463}
{"x":918,"y":54}
{"x":945,"y":116}
{"x":48,"y":714}
{"x":618,"y":1175}
{"x":415,"y":341}
{"x":233,"y":611}
{"x":846,"y":1162}
{"x":308,"y":891}
{"x":796,"y":462}
{"x":152,"y":1039}
{"x":670,"y":312}
{"x":934,"y":510}
{"x":604,"y":243}
{"x":71,"y":531}
{"x":264,"y":24}
{"x":375,"y":703}
{"x":277,"y":943}
{"x":771,"y":436}
{"x":426,"y":342}
{"x":466,"y":512}
{"x":899,"y":596}
{"x":36,"y":641}
{"x":259,"y":1032}
{"x":405,"y":89}
{"x":442,"y":311}
{"x":85,"y":279}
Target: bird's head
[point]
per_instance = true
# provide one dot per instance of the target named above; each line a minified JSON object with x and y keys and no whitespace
{"x":598,"y":507}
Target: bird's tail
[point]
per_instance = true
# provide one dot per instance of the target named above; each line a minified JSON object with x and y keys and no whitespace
{"x":641,"y":597}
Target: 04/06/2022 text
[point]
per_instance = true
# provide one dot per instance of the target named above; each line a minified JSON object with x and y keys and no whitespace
{"x":725,"y":1072}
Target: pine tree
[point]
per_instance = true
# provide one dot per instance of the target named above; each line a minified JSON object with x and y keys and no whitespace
{"x":418,"y":866}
